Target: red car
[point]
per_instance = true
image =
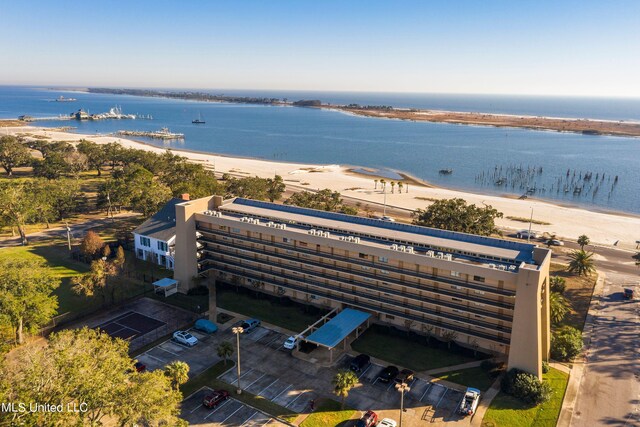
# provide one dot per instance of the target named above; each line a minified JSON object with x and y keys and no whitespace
{"x":369,"y":419}
{"x":140,"y":367}
{"x":214,"y":399}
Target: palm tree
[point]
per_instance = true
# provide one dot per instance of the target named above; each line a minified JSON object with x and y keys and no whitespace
{"x":383,"y":183}
{"x":225,"y":350}
{"x":343,"y":382}
{"x":583,"y":241}
{"x":558,"y":307}
{"x":400,"y":185}
{"x":581,"y":263}
{"x":178,"y":371}
{"x":375,"y":181}
{"x":393,"y":185}
{"x":448,"y":337}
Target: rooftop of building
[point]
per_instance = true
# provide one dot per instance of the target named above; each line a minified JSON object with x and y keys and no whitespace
{"x":162,"y":225}
{"x":464,"y":247}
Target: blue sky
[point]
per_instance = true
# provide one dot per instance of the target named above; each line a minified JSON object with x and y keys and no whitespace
{"x":584,"y":48}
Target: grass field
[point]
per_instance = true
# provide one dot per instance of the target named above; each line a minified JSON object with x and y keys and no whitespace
{"x":472,"y":377}
{"x":405,"y":351}
{"x":507,"y":411}
{"x":328,"y":414}
{"x":286,"y":316}
{"x":578,"y":292}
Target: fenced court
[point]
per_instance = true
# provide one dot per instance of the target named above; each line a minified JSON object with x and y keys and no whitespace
{"x":130,"y":325}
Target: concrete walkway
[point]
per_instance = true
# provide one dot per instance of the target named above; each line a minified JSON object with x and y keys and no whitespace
{"x":485,"y":400}
{"x":571,"y":395}
{"x":453,"y":368}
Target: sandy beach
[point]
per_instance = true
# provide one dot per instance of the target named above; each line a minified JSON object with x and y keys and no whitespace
{"x":564,"y":221}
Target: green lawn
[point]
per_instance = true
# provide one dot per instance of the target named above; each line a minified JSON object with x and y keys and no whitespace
{"x":472,"y":377}
{"x":328,"y":414}
{"x":209,"y":378}
{"x":405,"y":351}
{"x":286,"y":316}
{"x":508,"y":411}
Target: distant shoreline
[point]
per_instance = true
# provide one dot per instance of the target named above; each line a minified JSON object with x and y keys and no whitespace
{"x":584,"y":126}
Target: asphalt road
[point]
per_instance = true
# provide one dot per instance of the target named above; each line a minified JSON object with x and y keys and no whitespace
{"x":609,"y":393}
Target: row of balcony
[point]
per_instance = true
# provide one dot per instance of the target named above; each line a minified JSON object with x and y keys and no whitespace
{"x":354,"y":300}
{"x":362,"y":262}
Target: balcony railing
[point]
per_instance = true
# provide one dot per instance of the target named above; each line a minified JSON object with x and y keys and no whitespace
{"x":360,"y":262}
{"x":250,"y":274}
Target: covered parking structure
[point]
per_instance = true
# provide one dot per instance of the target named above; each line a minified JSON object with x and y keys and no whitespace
{"x":338,"y":329}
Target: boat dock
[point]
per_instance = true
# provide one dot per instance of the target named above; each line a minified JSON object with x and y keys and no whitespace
{"x":163,"y":133}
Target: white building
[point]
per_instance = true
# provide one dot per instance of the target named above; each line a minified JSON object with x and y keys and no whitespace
{"x":155,"y":238}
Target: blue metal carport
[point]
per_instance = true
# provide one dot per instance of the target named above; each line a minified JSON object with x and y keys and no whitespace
{"x":337,"y":329}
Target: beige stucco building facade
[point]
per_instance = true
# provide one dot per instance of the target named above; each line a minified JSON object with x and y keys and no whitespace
{"x":486,"y":293}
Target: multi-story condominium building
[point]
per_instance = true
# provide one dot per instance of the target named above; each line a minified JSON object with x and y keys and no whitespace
{"x":490,"y":294}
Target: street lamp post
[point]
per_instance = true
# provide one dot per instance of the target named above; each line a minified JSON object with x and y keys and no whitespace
{"x":237,"y":331}
{"x":402,"y":388}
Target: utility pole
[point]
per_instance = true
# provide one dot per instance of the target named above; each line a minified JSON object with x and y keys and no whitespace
{"x":384,"y":209}
{"x":530,"y":221}
{"x":237,"y":331}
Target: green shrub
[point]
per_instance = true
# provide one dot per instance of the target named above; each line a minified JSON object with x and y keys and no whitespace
{"x":558,"y":284}
{"x":545,"y":367}
{"x":526,"y":387}
{"x":566,"y":343}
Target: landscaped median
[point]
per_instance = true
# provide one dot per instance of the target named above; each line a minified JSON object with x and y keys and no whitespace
{"x":508,"y":411}
{"x":470,"y":377}
{"x":328,"y":414}
{"x":209,"y":378}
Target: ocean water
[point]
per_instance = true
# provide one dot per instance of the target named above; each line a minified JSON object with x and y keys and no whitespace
{"x":571,"y":168}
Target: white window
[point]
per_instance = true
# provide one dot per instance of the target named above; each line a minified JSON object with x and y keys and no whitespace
{"x":383,"y":259}
{"x":286,"y":240}
{"x":479,"y":292}
{"x":145,"y":241}
{"x":478,"y":304}
{"x":364,"y":267}
{"x":384,"y":272}
{"x":162,"y":246}
{"x":456,"y":287}
{"x":455,"y":273}
{"x":235,"y":230}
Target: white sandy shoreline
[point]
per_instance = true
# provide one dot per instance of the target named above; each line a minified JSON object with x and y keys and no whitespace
{"x":566,"y":221}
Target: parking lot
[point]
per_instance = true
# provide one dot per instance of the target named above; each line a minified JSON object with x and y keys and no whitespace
{"x":270,"y":371}
{"x":231,"y":412}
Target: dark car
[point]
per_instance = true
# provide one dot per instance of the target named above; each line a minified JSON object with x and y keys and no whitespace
{"x":627,"y":293}
{"x":360,"y":363}
{"x":388,"y":374}
{"x":405,"y":376}
{"x":369,"y":419}
{"x":140,"y":367}
{"x":214,"y":399}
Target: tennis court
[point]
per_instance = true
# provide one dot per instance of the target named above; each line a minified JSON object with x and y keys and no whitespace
{"x":130,"y":325}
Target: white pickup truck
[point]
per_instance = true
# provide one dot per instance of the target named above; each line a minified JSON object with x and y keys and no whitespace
{"x":470,"y":401}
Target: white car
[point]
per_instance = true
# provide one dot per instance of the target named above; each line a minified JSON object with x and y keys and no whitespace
{"x":556,"y":242}
{"x":185,"y":338}
{"x":291,"y":343}
{"x":387,"y":219}
{"x":470,"y":401}
{"x":523,"y":234}
{"x":387,"y":422}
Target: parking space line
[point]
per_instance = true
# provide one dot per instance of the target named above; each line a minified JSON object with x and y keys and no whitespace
{"x":156,"y":358}
{"x":442,"y":397}
{"x":290,"y":403}
{"x":391,"y":384}
{"x":265,"y":389}
{"x":252,"y":415}
{"x":457,"y":406}
{"x":232,"y":414}
{"x":273,"y":340}
{"x":288,"y":387}
{"x":365,"y":371}
{"x":425,"y":392}
{"x":246,"y":372}
{"x":170,"y":352}
{"x":246,"y":387}
{"x":218,"y":407}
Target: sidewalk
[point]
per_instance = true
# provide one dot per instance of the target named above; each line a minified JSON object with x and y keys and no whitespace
{"x":485,"y":400}
{"x":453,"y":368}
{"x":571,"y":395}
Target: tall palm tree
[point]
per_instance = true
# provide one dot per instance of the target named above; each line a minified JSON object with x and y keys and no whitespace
{"x":178,"y":371}
{"x":393,"y":185}
{"x":383,"y":183}
{"x":343,"y":382}
{"x":400,"y":185}
{"x":581,"y":263}
{"x":225,"y":350}
{"x":375,"y":181}
{"x":583,"y":241}
{"x":558,"y":307}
